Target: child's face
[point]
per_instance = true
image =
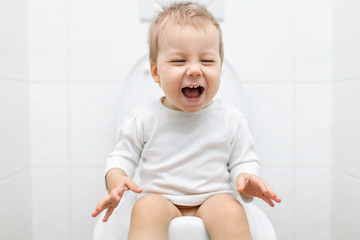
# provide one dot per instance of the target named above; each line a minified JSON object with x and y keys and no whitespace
{"x":188,"y":67}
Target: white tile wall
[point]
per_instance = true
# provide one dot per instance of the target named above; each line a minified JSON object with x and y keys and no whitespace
{"x":259,"y":38}
{"x":271,"y":108}
{"x":313,"y":204}
{"x":313,"y":124}
{"x":48,"y":40}
{"x":346,"y":46}
{"x":346,"y":118}
{"x":49,"y":124}
{"x":281,"y":180}
{"x":87,"y":187}
{"x":346,"y":137}
{"x":15,"y":208}
{"x":313,"y":40}
{"x":346,"y":115}
{"x":106,"y":39}
{"x":13,"y":40}
{"x":93,"y":112}
{"x":50,"y":203}
{"x":345,"y":209}
{"x":14,"y":127}
{"x":15,"y":173}
{"x":80,"y":52}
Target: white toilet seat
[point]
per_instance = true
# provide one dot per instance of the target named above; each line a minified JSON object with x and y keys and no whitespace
{"x":187,"y":227}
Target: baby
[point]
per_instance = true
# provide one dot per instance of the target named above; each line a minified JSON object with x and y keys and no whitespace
{"x":196,"y":153}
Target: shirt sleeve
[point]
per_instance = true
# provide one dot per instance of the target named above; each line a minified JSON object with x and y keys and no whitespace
{"x":243,"y":158}
{"x":127,"y":152}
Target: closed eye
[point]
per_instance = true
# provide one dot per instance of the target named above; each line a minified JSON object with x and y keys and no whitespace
{"x":207,"y":61}
{"x":178,"y":62}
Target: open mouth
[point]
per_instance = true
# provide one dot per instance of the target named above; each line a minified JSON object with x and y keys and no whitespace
{"x":193,"y":92}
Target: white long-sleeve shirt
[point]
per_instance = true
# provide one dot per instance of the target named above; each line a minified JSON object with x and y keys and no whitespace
{"x":185,"y":157}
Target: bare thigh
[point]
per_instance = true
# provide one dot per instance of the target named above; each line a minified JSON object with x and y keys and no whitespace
{"x":224,"y":218}
{"x":151,"y":216}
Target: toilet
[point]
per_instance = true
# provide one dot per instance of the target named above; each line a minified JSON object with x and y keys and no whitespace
{"x":139,"y":88}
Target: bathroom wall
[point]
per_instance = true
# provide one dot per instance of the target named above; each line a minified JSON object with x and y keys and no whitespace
{"x":346,"y":119}
{"x":80,"y":53}
{"x":15,"y":174}
{"x":48,"y":71}
{"x":64,"y":66}
{"x":282,"y":52}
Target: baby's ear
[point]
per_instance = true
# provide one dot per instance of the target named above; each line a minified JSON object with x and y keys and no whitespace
{"x":154,"y":71}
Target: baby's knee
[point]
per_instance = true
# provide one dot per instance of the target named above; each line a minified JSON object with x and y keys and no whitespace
{"x":150,"y":204}
{"x":224,"y":217}
{"x":146,"y":202}
{"x":154,"y":208}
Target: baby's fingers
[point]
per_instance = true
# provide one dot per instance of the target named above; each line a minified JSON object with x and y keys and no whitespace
{"x":99,"y":207}
{"x":271,"y":194}
{"x":109,"y":201}
{"x":131,"y":185}
{"x":108,"y":214}
{"x":268,"y":200}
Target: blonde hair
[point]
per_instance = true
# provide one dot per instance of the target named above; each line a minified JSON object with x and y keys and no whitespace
{"x":182,"y":14}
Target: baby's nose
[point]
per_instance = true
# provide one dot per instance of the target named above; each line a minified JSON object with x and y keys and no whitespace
{"x":194,"y":71}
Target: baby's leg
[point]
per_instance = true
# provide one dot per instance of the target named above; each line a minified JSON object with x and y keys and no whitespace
{"x":151,"y":216}
{"x":224,"y":218}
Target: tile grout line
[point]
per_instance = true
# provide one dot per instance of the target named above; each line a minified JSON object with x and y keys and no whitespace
{"x":29,"y":111}
{"x":15,"y":173}
{"x":295,"y":120}
{"x":344,"y":172}
{"x":69,"y":118}
{"x":247,"y":82}
{"x":332,"y":84}
{"x":294,"y":162}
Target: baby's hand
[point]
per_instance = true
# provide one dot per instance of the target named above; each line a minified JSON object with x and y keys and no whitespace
{"x":252,"y":185}
{"x":111,"y":201}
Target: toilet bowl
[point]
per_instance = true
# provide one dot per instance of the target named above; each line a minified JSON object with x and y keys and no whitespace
{"x":139,"y":88}
{"x":180,"y":228}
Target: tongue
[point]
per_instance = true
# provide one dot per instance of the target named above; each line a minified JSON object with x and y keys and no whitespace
{"x":191,"y":92}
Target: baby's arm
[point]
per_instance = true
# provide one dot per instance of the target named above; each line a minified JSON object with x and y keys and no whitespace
{"x":252,"y":185}
{"x":117,"y":182}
